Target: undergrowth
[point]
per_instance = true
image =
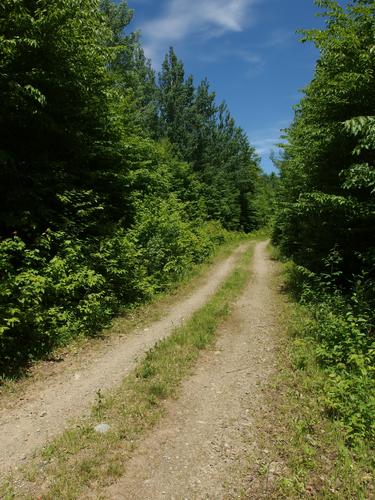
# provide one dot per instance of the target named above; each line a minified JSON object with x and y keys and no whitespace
{"x":64,"y":288}
{"x":324,"y":398}
{"x":341,"y":329}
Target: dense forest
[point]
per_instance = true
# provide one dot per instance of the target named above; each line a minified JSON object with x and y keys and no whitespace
{"x":114,"y":181}
{"x":326,"y":210}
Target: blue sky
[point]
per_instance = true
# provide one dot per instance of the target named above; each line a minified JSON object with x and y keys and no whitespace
{"x":248,"y":50}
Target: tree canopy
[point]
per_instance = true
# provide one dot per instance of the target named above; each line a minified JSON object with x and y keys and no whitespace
{"x":327,"y":197}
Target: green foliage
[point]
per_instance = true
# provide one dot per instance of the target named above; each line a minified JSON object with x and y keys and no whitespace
{"x":46,"y":301}
{"x":327,"y":189}
{"x":205,"y":134}
{"x":169,"y":243}
{"x":56,"y":117}
{"x":342,"y":329}
{"x":264,"y":202}
{"x":107,"y":193}
{"x":326,"y":211}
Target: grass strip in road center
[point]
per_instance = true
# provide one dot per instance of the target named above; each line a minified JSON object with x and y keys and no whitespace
{"x":81,"y":460}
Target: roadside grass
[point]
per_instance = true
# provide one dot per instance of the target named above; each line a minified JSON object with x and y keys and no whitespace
{"x":83,"y":461}
{"x":315,"y":459}
{"x":319,"y":463}
{"x":132,"y":317}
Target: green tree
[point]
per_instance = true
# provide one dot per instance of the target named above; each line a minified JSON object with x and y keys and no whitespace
{"x":264,"y":203}
{"x":132,"y":73}
{"x":205,"y":135}
{"x":176,"y":101}
{"x":327,"y":198}
{"x":57,"y":123}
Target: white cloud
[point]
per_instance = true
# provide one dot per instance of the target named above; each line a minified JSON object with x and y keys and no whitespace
{"x":267,"y":140}
{"x":181,"y":19}
{"x":254,"y":62}
{"x":278,"y":38}
{"x":265,"y":146}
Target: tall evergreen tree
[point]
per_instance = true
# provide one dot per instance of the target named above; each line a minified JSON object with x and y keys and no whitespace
{"x":206,"y":136}
{"x":176,"y":99}
{"x":132,"y":73}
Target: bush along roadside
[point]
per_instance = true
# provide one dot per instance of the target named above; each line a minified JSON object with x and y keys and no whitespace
{"x":342,"y":330}
{"x":62,"y":288}
{"x":327,"y":411}
{"x":82,"y":458}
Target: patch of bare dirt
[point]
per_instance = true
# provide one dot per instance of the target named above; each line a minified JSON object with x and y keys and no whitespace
{"x":207,"y":445}
{"x":45,"y":408}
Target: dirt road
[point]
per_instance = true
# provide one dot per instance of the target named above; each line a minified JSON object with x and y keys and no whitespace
{"x":202,"y":447}
{"x":45,"y":409}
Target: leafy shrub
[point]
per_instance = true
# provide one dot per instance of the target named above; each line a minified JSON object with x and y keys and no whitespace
{"x":44,"y":300}
{"x":61,"y":288}
{"x":342,"y":329}
{"x":168,"y":242}
{"x":350,"y":397}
